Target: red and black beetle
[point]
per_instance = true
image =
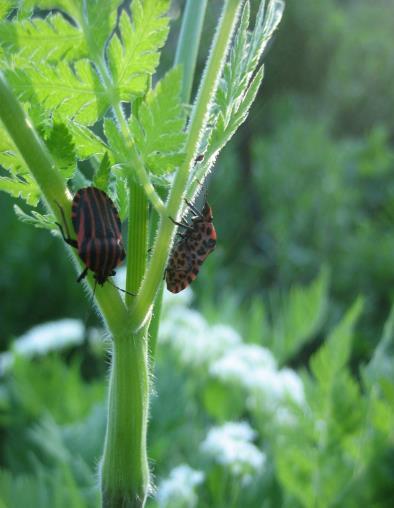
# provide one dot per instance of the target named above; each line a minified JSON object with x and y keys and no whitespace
{"x":97,"y":226}
{"x":196,"y":243}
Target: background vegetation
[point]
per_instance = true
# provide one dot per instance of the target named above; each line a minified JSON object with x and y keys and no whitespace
{"x":283,"y":370}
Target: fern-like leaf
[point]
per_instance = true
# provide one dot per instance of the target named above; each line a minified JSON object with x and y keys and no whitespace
{"x":332,"y":357}
{"x":19,"y":183}
{"x":381,"y":365}
{"x":24,"y":187}
{"x":159,"y":129}
{"x":32,"y":40}
{"x":71,"y":92}
{"x":99,"y":23}
{"x":135,"y":56}
{"x":87,"y":143}
{"x":62,"y":148}
{"x":102,"y":176}
{"x":238,"y":87}
{"x":36,"y":219}
{"x":297,"y":317}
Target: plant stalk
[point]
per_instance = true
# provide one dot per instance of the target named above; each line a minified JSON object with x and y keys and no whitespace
{"x":124,"y":471}
{"x":137,"y":238}
{"x":53,"y":188}
{"x":142,"y":307}
{"x":189,"y":42}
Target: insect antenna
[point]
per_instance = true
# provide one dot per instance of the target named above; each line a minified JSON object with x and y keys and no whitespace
{"x":120,"y":289}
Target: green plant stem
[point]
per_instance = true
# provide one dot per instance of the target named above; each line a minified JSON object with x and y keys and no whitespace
{"x":53,"y":188}
{"x":32,"y":148}
{"x":137,"y":238}
{"x":143,"y":303}
{"x":186,"y":55}
{"x":189,"y":42}
{"x":124,"y":471}
{"x":154,"y":325}
{"x":134,"y":164}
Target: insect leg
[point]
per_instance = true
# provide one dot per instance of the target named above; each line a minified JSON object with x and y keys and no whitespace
{"x":181,"y":224}
{"x":83,"y":274}
{"x":194,"y":209}
{"x":67,"y":238}
{"x":70,"y":241}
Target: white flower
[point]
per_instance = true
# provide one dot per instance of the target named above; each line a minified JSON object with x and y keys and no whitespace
{"x":230,"y":446}
{"x":46,"y":337}
{"x":178,"y":490}
{"x":292,"y":385}
{"x":242,"y":364}
{"x":50,"y":336}
{"x":195,"y":342}
{"x":181,"y":299}
{"x":253,"y":368}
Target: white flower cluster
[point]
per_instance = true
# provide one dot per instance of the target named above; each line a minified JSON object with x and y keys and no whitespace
{"x":178,"y":490}
{"x":230,"y":445}
{"x":194,"y":340}
{"x":254,"y":369}
{"x":41,"y":339}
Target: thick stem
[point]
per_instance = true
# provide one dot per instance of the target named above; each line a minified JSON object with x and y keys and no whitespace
{"x":188,"y":43}
{"x":217,"y":58}
{"x":125,"y":473}
{"x":53,"y":188}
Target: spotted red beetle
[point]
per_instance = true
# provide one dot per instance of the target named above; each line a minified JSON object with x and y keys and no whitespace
{"x":187,"y":256}
{"x":99,"y":239}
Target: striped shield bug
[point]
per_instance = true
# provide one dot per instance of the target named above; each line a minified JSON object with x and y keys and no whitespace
{"x":196,"y":242}
{"x":98,"y":228}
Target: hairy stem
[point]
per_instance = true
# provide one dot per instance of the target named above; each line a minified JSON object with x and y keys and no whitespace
{"x":134,"y":164}
{"x":125,"y":473}
{"x":137,"y":238}
{"x":186,"y":55}
{"x":143,"y":304}
{"x":53,"y":188}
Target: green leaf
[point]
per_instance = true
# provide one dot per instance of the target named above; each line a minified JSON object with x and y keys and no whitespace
{"x":115,"y":141}
{"x":10,"y":158}
{"x":86,"y":142}
{"x":297,"y":316}
{"x":33,"y":40}
{"x":238,"y":88}
{"x":36,"y":219}
{"x":101,"y":178}
{"x":134,"y":56}
{"x":5,"y":7}
{"x":332,"y":357}
{"x":100,"y":21}
{"x":21,"y":187}
{"x":224,"y":129}
{"x":381,"y":365}
{"x":122,"y":197}
{"x":159,"y":130}
{"x":71,"y":92}
{"x":19,"y":183}
{"x":60,"y":144}
{"x":71,"y":7}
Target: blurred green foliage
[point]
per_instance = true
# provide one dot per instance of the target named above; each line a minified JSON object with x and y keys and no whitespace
{"x":318,"y":437}
{"x":306,"y":188}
